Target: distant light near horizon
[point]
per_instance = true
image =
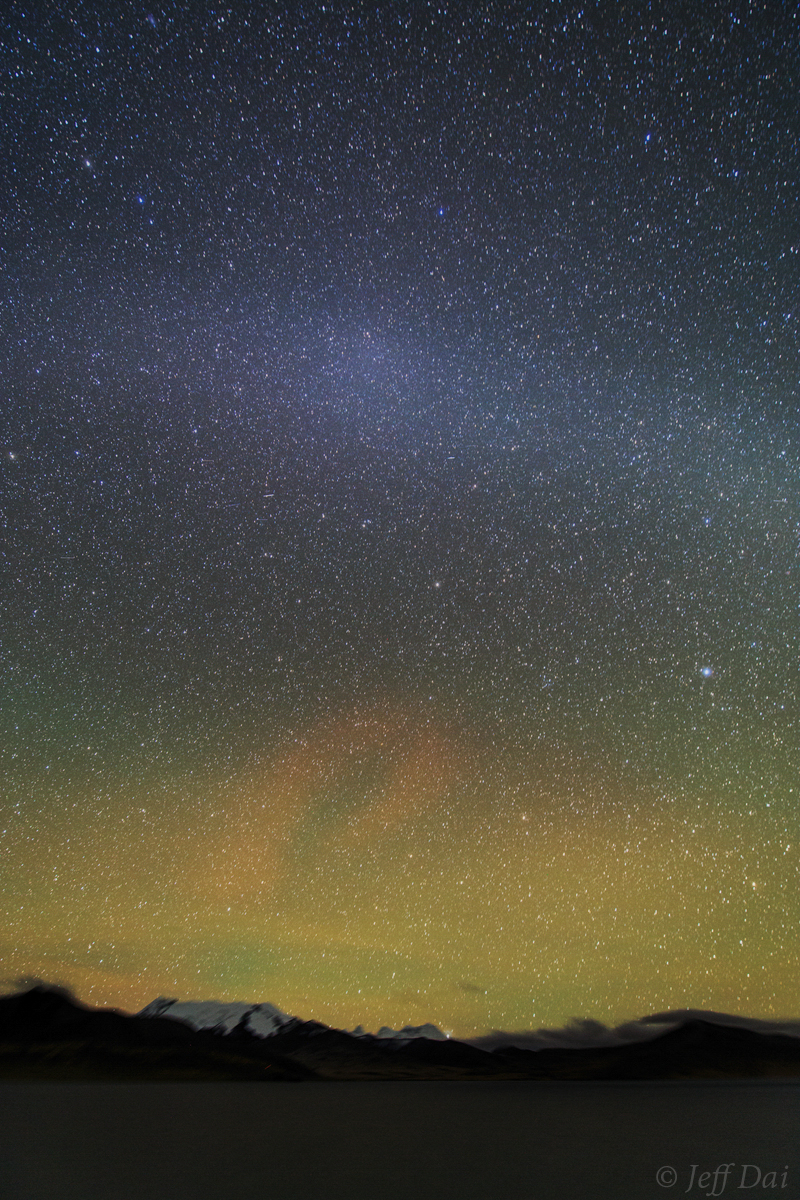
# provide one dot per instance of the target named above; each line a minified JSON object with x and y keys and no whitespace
{"x":401,"y":463}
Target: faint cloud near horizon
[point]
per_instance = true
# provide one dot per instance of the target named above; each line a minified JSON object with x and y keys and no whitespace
{"x":464,"y":985}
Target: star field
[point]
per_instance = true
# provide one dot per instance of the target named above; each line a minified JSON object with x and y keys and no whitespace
{"x":401,"y":508}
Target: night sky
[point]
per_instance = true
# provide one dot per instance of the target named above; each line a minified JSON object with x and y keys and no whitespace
{"x":400,"y":434}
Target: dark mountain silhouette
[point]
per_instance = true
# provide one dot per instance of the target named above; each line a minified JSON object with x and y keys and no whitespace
{"x":696,"y":1049}
{"x":47,"y":1034}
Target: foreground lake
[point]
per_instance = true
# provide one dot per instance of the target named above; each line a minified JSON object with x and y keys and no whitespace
{"x":390,"y":1140}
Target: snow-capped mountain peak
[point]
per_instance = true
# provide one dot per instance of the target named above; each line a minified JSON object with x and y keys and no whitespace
{"x":261,"y":1020}
{"x":432,"y":1032}
{"x":264,"y":1020}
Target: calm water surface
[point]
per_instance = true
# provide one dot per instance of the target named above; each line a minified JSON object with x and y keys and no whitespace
{"x":509,"y":1141}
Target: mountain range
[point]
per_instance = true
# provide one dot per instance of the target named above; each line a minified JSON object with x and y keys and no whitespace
{"x":46,"y":1034}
